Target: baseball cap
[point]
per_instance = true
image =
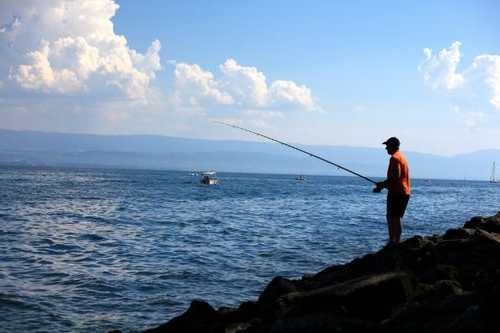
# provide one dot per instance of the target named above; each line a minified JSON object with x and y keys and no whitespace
{"x":392,"y":141}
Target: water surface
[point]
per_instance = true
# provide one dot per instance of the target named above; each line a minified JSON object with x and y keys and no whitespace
{"x":89,"y":250}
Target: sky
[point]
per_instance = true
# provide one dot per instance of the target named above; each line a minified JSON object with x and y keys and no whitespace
{"x":349,"y":73}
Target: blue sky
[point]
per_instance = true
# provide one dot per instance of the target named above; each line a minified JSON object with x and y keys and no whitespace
{"x":347,"y":73}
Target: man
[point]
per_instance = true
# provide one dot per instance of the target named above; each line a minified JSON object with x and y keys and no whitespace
{"x":398,"y":184}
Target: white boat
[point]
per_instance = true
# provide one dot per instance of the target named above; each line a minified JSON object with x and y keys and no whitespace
{"x":209,"y":178}
{"x":492,"y":178}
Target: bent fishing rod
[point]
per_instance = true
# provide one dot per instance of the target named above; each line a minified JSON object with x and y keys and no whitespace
{"x":296,"y":148}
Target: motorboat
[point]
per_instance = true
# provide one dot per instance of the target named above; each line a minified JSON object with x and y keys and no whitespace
{"x":209,"y":178}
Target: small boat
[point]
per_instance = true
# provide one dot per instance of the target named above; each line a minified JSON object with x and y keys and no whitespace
{"x":209,"y":178}
{"x":300,"y":178}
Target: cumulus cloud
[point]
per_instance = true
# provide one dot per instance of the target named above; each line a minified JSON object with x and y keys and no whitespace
{"x":246,"y":84}
{"x":489,"y":66}
{"x":196,"y":87}
{"x":289,"y":93}
{"x":71,"y":47}
{"x":239,"y":86}
{"x":440,"y":71}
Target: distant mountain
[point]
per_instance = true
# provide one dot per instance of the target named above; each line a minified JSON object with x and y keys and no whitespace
{"x":161,"y":152}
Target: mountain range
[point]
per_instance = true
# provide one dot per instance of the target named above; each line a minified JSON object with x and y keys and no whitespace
{"x":161,"y":152}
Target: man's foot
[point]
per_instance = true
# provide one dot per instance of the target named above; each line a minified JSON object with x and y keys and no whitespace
{"x":390,"y":244}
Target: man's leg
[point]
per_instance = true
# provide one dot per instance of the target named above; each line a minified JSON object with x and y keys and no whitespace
{"x":391,"y":229}
{"x":394,"y":228}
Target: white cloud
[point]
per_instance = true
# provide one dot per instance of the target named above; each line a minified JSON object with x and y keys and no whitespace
{"x":489,"y":65}
{"x":289,"y":93}
{"x":71,"y":47}
{"x":243,"y":87}
{"x":196,"y":87}
{"x":440,"y":71}
{"x":82,"y":76}
{"x":246,"y":84}
{"x":40,"y":75}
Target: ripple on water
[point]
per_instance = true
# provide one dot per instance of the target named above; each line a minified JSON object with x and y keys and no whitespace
{"x":92,"y":237}
{"x":99,"y":288}
{"x":16,"y":301}
{"x":62,"y":248}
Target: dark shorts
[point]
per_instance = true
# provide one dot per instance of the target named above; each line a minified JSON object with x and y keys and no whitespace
{"x":396,"y":204}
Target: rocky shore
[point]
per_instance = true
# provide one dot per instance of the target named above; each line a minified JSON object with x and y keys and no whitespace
{"x":448,"y":283}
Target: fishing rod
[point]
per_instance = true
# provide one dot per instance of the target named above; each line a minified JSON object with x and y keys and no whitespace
{"x":301,"y":150}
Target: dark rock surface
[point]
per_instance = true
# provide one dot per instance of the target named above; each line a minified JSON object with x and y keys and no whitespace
{"x":448,"y":283}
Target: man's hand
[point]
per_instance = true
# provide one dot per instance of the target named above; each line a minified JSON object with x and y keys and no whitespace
{"x":379,"y":187}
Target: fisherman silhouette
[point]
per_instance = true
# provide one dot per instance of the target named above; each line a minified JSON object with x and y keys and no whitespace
{"x":398,"y":185}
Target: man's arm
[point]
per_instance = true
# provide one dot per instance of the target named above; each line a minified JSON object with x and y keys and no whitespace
{"x":393,"y":175}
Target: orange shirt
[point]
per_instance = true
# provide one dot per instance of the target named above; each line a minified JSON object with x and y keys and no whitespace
{"x":398,"y":174}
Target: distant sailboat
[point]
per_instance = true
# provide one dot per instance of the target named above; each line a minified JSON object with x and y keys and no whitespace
{"x":492,"y":178}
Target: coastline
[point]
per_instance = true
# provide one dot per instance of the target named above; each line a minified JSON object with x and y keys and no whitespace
{"x":445,"y":283}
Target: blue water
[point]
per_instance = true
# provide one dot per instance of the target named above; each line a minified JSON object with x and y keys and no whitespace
{"x":88,"y":250}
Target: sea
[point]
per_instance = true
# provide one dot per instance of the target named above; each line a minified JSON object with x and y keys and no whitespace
{"x":92,"y":250}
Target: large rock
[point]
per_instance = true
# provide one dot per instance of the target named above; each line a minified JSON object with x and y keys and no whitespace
{"x":277,"y":287}
{"x":200,"y":317}
{"x":446,"y":283}
{"x":368,"y":298}
{"x":491,"y":224}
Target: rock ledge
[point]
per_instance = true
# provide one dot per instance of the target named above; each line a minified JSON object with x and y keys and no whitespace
{"x":448,"y":283}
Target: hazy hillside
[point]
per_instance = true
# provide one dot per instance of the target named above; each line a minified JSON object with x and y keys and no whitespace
{"x":159,"y":152}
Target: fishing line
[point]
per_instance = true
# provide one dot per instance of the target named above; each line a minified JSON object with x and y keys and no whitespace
{"x":296,"y":148}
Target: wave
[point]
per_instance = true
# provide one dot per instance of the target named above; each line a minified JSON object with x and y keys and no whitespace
{"x":92,"y":237}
